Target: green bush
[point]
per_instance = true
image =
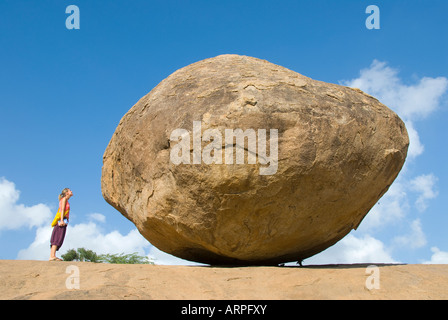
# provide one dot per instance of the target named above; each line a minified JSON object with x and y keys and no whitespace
{"x":82,"y":254}
{"x":131,"y":258}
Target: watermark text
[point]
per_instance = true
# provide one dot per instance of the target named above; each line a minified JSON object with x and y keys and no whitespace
{"x":234,"y":140}
{"x":72,"y":281}
{"x":373,"y":280}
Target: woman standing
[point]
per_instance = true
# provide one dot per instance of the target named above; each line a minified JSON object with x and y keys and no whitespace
{"x":59,"y":223}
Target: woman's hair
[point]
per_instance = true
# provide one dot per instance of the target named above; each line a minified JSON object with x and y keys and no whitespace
{"x":63,"y":192}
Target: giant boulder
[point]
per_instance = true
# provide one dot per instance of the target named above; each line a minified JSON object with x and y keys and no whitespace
{"x":313,"y":159}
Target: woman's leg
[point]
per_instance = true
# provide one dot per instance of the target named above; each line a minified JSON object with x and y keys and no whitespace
{"x":57,"y":238}
{"x":53,"y":252}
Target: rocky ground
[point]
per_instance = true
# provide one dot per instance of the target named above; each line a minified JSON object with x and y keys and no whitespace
{"x":82,"y":280}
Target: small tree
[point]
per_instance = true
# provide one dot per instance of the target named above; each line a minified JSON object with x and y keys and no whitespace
{"x":81,"y":254}
{"x":71,"y":255}
{"x":88,"y":255}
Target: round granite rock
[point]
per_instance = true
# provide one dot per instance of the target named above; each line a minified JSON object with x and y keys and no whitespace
{"x":235,"y":160}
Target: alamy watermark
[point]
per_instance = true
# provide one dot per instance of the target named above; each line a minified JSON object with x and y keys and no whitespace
{"x":373,"y":280}
{"x":234,"y":139}
{"x":72,"y":281}
{"x":73,"y":20}
{"x":373,"y":20}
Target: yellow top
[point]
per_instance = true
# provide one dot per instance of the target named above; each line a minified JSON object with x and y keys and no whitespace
{"x":58,"y":217}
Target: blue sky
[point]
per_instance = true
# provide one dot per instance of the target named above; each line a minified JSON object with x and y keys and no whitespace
{"x":63,"y":92}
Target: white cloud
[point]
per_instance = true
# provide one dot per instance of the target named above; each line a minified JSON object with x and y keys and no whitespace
{"x":39,"y":249}
{"x":395,"y":206}
{"x":391,"y":208}
{"x":90,"y":236}
{"x":425,"y":185}
{"x":419,"y":100}
{"x":411,"y":102}
{"x":438,"y":257}
{"x":415,"y":148}
{"x":14,"y":215}
{"x":86,"y":235}
{"x":98,"y":217}
{"x":162,"y":258}
{"x":414,"y":239}
{"x":352,"y":249}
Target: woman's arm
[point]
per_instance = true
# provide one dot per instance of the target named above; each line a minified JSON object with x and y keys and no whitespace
{"x":62,"y":205}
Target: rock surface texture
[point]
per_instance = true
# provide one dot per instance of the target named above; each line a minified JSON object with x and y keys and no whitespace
{"x":339,"y":150}
{"x":43,"y":280}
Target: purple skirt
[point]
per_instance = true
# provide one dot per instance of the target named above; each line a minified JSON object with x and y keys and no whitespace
{"x":57,"y":236}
